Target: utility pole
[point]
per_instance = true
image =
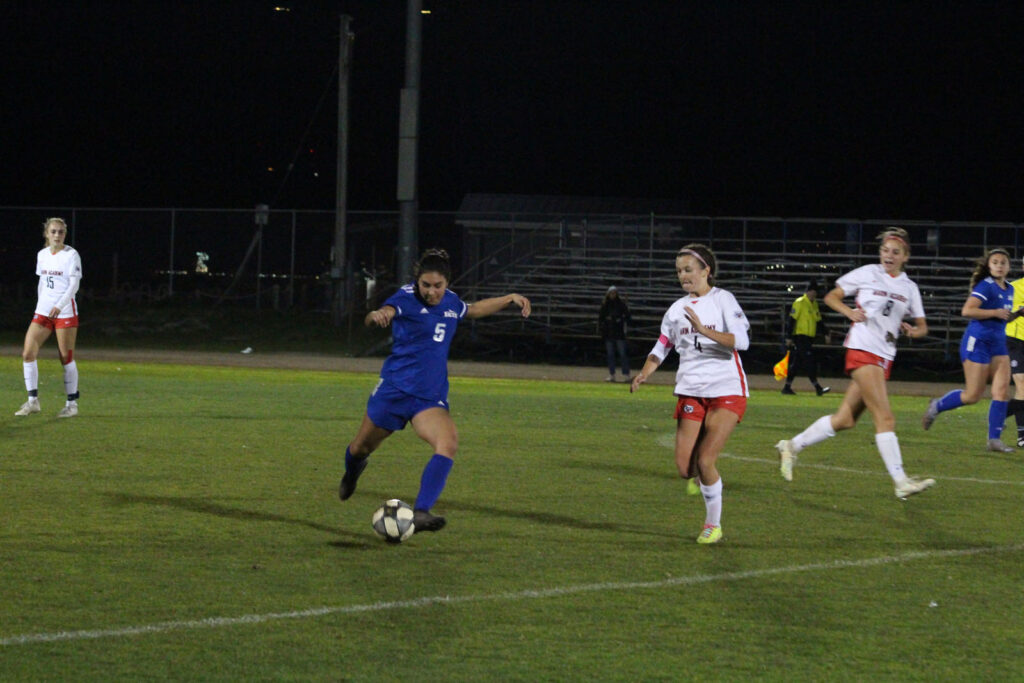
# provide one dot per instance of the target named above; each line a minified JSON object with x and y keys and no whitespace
{"x":408,"y":138}
{"x":339,"y":267}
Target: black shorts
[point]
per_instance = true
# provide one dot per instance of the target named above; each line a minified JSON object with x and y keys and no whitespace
{"x":1016,"y":349}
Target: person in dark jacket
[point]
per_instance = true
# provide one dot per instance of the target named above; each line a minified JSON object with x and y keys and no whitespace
{"x":611,"y":321}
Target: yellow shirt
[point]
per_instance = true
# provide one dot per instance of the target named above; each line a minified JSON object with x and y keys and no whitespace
{"x":1016,"y":328}
{"x":806,"y":314}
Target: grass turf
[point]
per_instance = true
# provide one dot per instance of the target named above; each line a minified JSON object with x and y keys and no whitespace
{"x":186,"y":526}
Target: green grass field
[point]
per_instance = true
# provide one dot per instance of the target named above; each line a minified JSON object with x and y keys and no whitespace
{"x":186,"y":527}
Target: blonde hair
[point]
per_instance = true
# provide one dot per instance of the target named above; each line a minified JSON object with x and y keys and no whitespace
{"x":46,"y":226}
{"x":894,"y":233}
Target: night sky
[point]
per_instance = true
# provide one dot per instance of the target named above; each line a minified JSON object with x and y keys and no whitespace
{"x":841,"y":109}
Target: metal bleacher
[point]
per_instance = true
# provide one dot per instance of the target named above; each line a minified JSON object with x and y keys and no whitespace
{"x":565,"y":265}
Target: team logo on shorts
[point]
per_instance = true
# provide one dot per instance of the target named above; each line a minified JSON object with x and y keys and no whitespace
{"x":687,"y":408}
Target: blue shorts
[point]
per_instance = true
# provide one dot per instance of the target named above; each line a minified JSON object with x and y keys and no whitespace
{"x":982,"y":349}
{"x":391,"y":409}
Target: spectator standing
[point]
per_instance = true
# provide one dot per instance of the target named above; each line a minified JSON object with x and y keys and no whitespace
{"x":611,"y":321}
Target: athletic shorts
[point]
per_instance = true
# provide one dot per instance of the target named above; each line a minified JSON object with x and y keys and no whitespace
{"x":1015,"y":347}
{"x":55,"y":323}
{"x":696,"y":408}
{"x":982,"y":349}
{"x":855,"y":358}
{"x":391,"y":409}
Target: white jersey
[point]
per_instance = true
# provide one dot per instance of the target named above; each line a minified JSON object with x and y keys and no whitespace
{"x":59,"y":275}
{"x":886,"y":301}
{"x":706,"y":368}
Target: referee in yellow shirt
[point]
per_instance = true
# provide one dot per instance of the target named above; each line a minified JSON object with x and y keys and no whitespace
{"x":1015,"y":346}
{"x":801,"y":328}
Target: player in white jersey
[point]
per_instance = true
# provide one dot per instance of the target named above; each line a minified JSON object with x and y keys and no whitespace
{"x":59,"y":268}
{"x":884,"y":297}
{"x":707,"y":328}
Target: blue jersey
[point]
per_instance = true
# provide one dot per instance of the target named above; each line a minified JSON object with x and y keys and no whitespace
{"x":992,"y":297}
{"x":421,"y":336}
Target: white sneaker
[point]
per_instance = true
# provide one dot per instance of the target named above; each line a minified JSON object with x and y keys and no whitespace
{"x":910,"y":486}
{"x":70,"y":410}
{"x":997,"y":446}
{"x":929,"y":415}
{"x":786,"y":459}
{"x":30,"y":406}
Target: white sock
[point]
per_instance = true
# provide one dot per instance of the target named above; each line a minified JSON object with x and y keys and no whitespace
{"x":31,"y":375}
{"x":71,"y":379}
{"x":889,"y":447}
{"x":713,"y":502}
{"x":820,"y":430}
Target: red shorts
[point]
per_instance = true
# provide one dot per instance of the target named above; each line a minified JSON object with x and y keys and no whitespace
{"x":55,"y":323}
{"x":695,"y":408}
{"x":855,"y":358}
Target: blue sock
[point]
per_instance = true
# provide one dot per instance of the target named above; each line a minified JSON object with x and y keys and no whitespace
{"x":950,"y":401}
{"x":996,"y":418}
{"x":435,"y":474}
{"x":353,"y":464}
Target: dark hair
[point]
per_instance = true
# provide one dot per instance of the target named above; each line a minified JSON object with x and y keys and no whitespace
{"x":704,"y":254}
{"x":433,"y":261}
{"x":813,"y":286}
{"x":981,"y":270}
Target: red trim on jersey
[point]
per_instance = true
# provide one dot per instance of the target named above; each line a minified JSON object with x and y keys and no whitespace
{"x":739,"y":371}
{"x":663,"y":340}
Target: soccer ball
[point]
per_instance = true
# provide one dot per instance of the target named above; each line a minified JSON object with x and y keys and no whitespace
{"x":393,"y":521}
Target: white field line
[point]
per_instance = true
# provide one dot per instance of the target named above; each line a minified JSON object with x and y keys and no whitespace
{"x":513,"y":596}
{"x":668,"y":441}
{"x":801,"y":465}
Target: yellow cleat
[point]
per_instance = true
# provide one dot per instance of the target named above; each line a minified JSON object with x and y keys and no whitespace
{"x":692,"y":487}
{"x":710,"y":534}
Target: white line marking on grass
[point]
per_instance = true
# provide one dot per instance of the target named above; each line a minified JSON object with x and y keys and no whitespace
{"x":512,"y":596}
{"x":880,"y":472}
{"x":668,"y":441}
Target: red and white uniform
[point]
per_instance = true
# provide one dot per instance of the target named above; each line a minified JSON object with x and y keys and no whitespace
{"x":886,"y":301}
{"x":59,"y":275}
{"x":706,"y":368}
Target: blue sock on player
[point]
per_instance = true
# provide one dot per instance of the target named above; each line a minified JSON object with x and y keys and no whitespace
{"x":435,"y":474}
{"x":353,"y":464}
{"x":951,"y":401}
{"x":996,"y":418}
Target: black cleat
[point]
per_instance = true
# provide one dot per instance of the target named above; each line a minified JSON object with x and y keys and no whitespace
{"x":788,"y":391}
{"x":348,"y":483}
{"x":823,"y":390}
{"x":425,"y":521}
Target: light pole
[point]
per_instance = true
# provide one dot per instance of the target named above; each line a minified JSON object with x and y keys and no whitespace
{"x":339,"y":269}
{"x":408,"y":134}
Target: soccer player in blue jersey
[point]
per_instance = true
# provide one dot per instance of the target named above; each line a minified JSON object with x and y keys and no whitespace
{"x":983,"y":347}
{"x":413,"y":386}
